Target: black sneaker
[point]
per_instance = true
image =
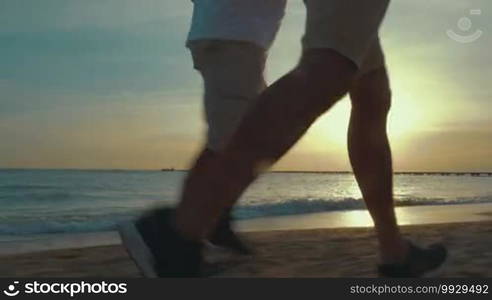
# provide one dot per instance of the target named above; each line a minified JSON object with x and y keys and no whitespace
{"x":225,"y":237}
{"x":157,"y":249}
{"x":421,"y":262}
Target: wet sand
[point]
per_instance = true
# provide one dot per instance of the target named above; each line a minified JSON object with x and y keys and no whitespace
{"x":332,"y":252}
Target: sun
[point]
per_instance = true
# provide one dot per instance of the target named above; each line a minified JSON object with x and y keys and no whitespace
{"x":406,"y":116}
{"x":329,"y":133}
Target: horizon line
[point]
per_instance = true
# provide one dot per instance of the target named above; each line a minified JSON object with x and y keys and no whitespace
{"x":271,"y":171}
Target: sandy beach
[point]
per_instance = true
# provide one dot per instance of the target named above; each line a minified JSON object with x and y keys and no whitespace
{"x":332,"y":252}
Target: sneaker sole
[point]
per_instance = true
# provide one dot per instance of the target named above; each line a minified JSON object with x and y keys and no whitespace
{"x":137,"y":248}
{"x":437,"y":272}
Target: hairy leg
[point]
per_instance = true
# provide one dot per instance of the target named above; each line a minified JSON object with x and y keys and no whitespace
{"x":278,"y":119}
{"x":370,"y":156}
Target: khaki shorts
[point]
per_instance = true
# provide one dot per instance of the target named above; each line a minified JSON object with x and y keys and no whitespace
{"x":233,"y":78}
{"x":232,"y":71}
{"x":350,"y":27}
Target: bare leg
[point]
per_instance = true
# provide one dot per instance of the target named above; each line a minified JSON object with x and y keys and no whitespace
{"x":281,"y":116}
{"x":370,"y":156}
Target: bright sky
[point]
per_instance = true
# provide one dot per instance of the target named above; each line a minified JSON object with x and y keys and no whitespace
{"x":109,"y":84}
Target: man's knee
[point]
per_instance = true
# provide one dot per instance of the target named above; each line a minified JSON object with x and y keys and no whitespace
{"x":326,"y":73}
{"x":371,"y":92}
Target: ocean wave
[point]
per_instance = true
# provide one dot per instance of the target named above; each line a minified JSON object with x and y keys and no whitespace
{"x":36,"y":187}
{"x":62,"y":224}
{"x":305,"y":206}
{"x":42,"y":222}
{"x":55,"y":227}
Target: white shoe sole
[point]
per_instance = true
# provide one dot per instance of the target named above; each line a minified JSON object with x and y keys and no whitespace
{"x":139,"y":252}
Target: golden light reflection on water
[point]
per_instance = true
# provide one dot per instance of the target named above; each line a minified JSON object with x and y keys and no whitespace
{"x":405,"y":216}
{"x":356,"y":218}
{"x":361,"y":218}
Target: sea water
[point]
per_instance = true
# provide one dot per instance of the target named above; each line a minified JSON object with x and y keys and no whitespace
{"x":38,"y":202}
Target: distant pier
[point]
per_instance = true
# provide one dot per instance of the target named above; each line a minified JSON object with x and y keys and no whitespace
{"x":473,"y":174}
{"x":408,"y":173}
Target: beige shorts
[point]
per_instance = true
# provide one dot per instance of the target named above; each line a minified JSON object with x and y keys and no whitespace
{"x":232,"y":71}
{"x":350,"y":27}
{"x":232,"y":74}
